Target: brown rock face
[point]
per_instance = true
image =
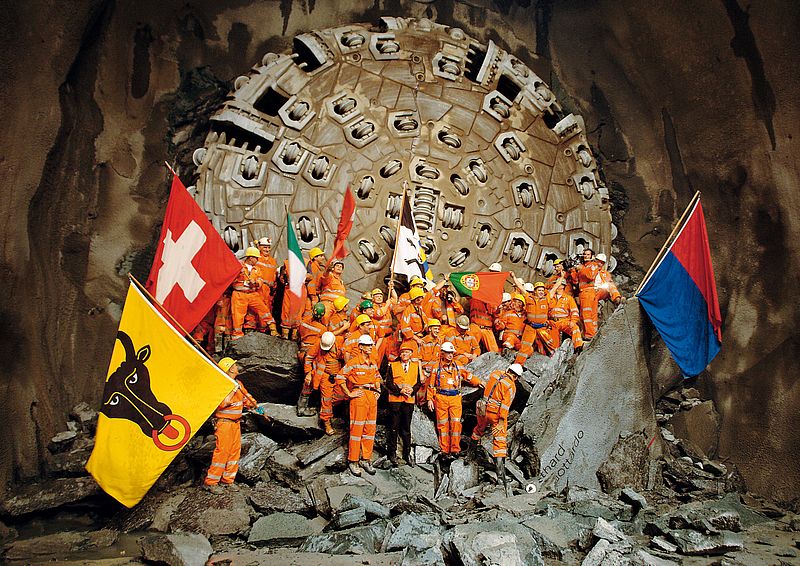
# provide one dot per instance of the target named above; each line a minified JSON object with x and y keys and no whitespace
{"x":677,"y":97}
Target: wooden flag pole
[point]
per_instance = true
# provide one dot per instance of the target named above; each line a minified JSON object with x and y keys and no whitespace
{"x":667,"y":243}
{"x":170,"y":168}
{"x":397,"y":236}
{"x":177,"y":324}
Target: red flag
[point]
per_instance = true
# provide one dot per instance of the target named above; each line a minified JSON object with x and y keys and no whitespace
{"x":486,"y":286}
{"x":193,"y":266}
{"x":345,"y":224}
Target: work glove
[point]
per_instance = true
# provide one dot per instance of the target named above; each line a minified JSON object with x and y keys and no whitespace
{"x":259,"y":410}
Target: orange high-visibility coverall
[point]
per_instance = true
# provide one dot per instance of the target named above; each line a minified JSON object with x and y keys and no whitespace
{"x":316,"y":271}
{"x":222,"y":321}
{"x":498,"y":394}
{"x":428,"y":352}
{"x":351,"y":347}
{"x":323,"y":367}
{"x":587,"y":297}
{"x":225,"y":461}
{"x":467,"y":347}
{"x":564,"y":318}
{"x":444,"y":311}
{"x":413,"y":323}
{"x":554,"y":278}
{"x":269,"y":271}
{"x":362,"y":373}
{"x":481,"y":316}
{"x":310,"y":333}
{"x":338,"y":322}
{"x":205,"y":330}
{"x":444,"y":389}
{"x":402,"y":303}
{"x":510,"y":322}
{"x":387,"y":340}
{"x":331,"y":286}
{"x":537,"y":330}
{"x":246,"y":295}
{"x":605,"y":287}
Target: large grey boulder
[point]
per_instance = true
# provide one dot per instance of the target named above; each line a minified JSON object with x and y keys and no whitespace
{"x":285,"y":424}
{"x":358,"y":540}
{"x":59,"y":545}
{"x":284,"y":528}
{"x":269,"y":367}
{"x":699,"y":425}
{"x":48,"y":494}
{"x":576,"y":420}
{"x":269,"y":497}
{"x":463,"y":475}
{"x":462,"y":538}
{"x":256,"y":450}
{"x":416,"y":531}
{"x":179,"y":549}
{"x":209,"y":515}
{"x":627,"y":464}
{"x":423,"y":431}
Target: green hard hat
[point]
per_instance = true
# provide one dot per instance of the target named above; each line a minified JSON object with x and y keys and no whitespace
{"x":365,"y":304}
{"x":319,"y":309}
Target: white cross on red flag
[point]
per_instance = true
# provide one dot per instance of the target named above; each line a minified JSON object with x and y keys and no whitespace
{"x":193,"y":266}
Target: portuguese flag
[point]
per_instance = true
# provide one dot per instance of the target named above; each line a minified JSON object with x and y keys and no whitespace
{"x":486,"y":286}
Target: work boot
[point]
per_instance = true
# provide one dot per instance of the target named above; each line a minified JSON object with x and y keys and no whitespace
{"x":367,"y":465}
{"x":472,"y":450}
{"x":500,"y":465}
{"x":407,"y":457}
{"x":328,"y":428}
{"x":285,"y":333}
{"x":232,"y":487}
{"x":393,"y":460}
{"x":354,"y":469}
{"x":273,"y":330}
{"x":303,"y":410}
{"x":215,"y":489}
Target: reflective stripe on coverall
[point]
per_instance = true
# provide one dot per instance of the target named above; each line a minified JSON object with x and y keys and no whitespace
{"x":443,"y":381}
{"x":498,"y":394}
{"x":361,"y":373}
{"x":225,"y":460}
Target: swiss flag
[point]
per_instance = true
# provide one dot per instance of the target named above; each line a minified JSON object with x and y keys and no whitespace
{"x":193,"y":266}
{"x":345,"y":224}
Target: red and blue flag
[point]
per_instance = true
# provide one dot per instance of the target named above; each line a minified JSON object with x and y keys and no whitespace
{"x":680,"y":297}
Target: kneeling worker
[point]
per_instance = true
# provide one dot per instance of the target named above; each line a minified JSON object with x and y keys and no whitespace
{"x":361,"y":382}
{"x":492,"y":409}
{"x":403,"y":383}
{"x":225,"y":461}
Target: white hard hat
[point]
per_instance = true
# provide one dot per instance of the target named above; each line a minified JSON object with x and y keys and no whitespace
{"x":365,"y":340}
{"x":495,"y":267}
{"x":506,"y":297}
{"x":516,"y":369}
{"x":448,"y":347}
{"x":601,"y":257}
{"x":529,"y":287}
{"x":265,"y":242}
{"x":326,"y":341}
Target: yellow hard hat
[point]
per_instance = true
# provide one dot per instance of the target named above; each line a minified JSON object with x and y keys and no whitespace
{"x":433,"y":322}
{"x":415,"y":293}
{"x":559,"y":261}
{"x":539,"y":284}
{"x":340,"y":302}
{"x":377,"y":291}
{"x":518,"y":297}
{"x":362,"y":318}
{"x":252,"y":252}
{"x":417,"y":281}
{"x":315,"y":252}
{"x":366,"y":295}
{"x":226,"y":363}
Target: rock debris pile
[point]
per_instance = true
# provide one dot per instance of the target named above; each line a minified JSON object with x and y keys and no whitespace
{"x":599,"y":474}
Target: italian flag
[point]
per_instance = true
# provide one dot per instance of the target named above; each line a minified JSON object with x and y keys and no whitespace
{"x":297,"y":267}
{"x":485,"y":286}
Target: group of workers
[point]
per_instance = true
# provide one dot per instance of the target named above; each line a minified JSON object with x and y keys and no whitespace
{"x":424,"y":336}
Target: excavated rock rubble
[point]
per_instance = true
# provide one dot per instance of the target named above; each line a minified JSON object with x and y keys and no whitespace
{"x":598,"y":470}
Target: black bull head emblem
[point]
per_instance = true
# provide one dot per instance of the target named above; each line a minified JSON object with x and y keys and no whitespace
{"x":127,"y":395}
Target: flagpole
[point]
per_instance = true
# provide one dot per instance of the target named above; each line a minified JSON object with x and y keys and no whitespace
{"x":170,"y":168}
{"x":397,"y":236}
{"x":667,"y":243}
{"x":170,"y":317}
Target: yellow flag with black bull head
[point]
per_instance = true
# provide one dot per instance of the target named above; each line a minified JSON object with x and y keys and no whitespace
{"x":158,"y":392}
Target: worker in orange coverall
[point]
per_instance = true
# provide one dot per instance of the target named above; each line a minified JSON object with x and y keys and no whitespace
{"x":560,"y":273}
{"x":414,"y":320}
{"x":604,"y":284}
{"x":585,"y":275}
{"x":564,"y":318}
{"x":225,"y":460}
{"x":403,"y":382}
{"x":444,"y":397}
{"x":537,"y":333}
{"x":315,"y":267}
{"x":331,"y":285}
{"x":467,"y":346}
{"x":492,"y":410}
{"x":511,"y":322}
{"x":269,"y":270}
{"x":323,"y":362}
{"x":246,"y":295}
{"x":361,"y":382}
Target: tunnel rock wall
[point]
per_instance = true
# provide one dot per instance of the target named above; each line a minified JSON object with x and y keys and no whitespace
{"x":676,"y":96}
